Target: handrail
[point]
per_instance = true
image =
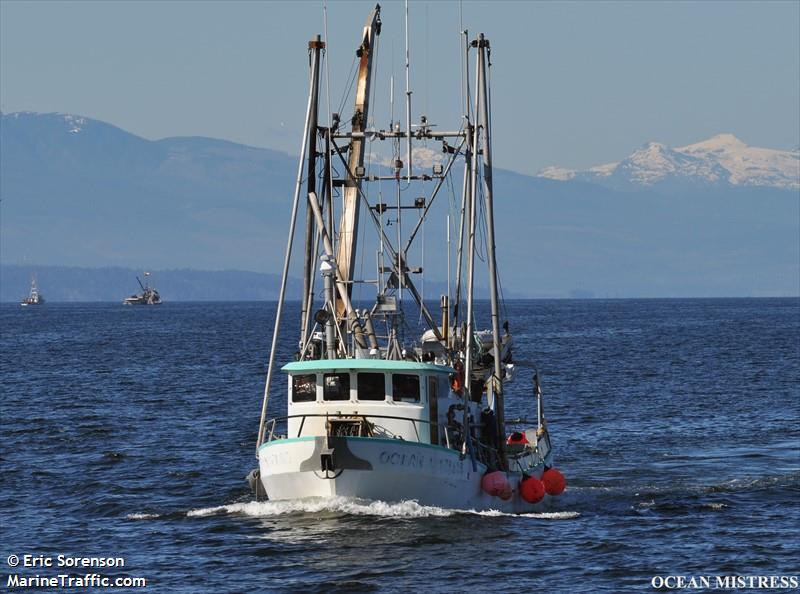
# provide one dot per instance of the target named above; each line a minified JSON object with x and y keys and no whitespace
{"x":342,"y":415}
{"x":486,"y":452}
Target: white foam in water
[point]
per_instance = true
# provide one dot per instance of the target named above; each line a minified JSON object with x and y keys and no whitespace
{"x":141,"y":516}
{"x":402,"y":509}
{"x":564,"y":515}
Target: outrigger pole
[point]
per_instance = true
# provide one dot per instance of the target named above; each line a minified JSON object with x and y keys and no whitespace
{"x":465,"y":189}
{"x":471,"y":213}
{"x":481,"y":143}
{"x":315,"y":46}
{"x":496,"y":381}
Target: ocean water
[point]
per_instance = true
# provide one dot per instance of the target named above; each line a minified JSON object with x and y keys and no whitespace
{"x":127,"y":432}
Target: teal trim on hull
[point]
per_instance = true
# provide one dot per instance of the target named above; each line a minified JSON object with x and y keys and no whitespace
{"x":288,"y":440}
{"x":362,"y":365}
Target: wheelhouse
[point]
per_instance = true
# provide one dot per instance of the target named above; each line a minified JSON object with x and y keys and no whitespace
{"x":399,"y":399}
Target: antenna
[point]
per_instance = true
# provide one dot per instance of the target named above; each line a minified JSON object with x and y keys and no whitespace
{"x":327,"y":71}
{"x":408,"y":100}
{"x":462,"y":53}
{"x":448,"y":258}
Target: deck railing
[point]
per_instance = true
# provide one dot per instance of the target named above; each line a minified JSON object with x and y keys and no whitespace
{"x":363,"y":418}
{"x":483,"y":452}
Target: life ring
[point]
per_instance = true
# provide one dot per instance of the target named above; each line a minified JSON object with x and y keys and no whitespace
{"x":517,"y":438}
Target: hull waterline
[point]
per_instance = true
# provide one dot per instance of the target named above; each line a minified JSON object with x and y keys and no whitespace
{"x":387,"y":470}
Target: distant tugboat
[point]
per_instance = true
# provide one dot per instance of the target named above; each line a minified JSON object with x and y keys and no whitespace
{"x":149,"y":295}
{"x":34,"y":297}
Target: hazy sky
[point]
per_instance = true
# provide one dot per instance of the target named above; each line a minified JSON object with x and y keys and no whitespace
{"x":575,"y":84}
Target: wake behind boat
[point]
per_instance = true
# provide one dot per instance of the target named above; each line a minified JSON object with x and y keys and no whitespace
{"x":374,"y":411}
{"x":148,"y":296}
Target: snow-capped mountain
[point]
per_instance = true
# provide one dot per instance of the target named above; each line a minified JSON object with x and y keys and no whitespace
{"x":94,"y":195}
{"x":723,"y":159}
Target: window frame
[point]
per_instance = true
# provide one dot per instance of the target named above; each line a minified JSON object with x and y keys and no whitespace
{"x":294,"y":390}
{"x":419,"y":388}
{"x":358,"y":386}
{"x":345,"y":374}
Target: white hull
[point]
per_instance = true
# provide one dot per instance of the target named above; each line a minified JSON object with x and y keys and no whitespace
{"x":382,"y":469}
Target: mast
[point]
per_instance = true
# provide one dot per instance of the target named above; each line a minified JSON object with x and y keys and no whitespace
{"x":348,"y":227}
{"x":471,"y":214}
{"x":467,"y":181}
{"x":496,"y":381}
{"x":408,"y":107}
{"x":315,"y":46}
{"x":286,"y":262}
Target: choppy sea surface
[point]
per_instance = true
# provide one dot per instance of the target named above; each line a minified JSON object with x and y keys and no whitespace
{"x":128,"y":432}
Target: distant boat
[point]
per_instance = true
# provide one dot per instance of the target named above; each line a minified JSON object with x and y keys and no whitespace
{"x":34,"y":297}
{"x":148,"y":296}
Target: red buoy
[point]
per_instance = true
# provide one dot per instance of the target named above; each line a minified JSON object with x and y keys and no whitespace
{"x":531,"y":490}
{"x":517,"y":438}
{"x":554,"y":482}
{"x":494,"y":483}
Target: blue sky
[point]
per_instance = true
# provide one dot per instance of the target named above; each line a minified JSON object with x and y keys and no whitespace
{"x":575,"y":84}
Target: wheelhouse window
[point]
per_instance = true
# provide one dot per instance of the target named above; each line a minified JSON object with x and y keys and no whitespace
{"x":371,"y":386}
{"x":405,"y":387}
{"x":304,"y":388}
{"x":336,"y":386}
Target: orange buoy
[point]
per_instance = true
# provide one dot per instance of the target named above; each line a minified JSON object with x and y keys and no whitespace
{"x":531,"y":490}
{"x":495,"y":483}
{"x":457,"y":378}
{"x":554,"y":481}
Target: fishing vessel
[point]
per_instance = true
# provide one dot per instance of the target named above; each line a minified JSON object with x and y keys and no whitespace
{"x":148,"y":296}
{"x":34,"y":297}
{"x":376,"y":410}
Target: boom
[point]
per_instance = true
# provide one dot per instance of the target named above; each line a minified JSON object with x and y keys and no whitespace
{"x":348,"y":227}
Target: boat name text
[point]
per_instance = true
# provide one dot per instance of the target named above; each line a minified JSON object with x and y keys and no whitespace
{"x":421,"y":462}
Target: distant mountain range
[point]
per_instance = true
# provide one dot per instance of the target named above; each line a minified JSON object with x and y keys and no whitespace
{"x":721,"y":160}
{"x":76,"y":284}
{"x":712,"y":219}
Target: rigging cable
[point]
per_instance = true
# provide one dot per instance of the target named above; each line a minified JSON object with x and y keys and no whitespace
{"x":351,"y":77}
{"x":451,"y":221}
{"x":482,"y":251}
